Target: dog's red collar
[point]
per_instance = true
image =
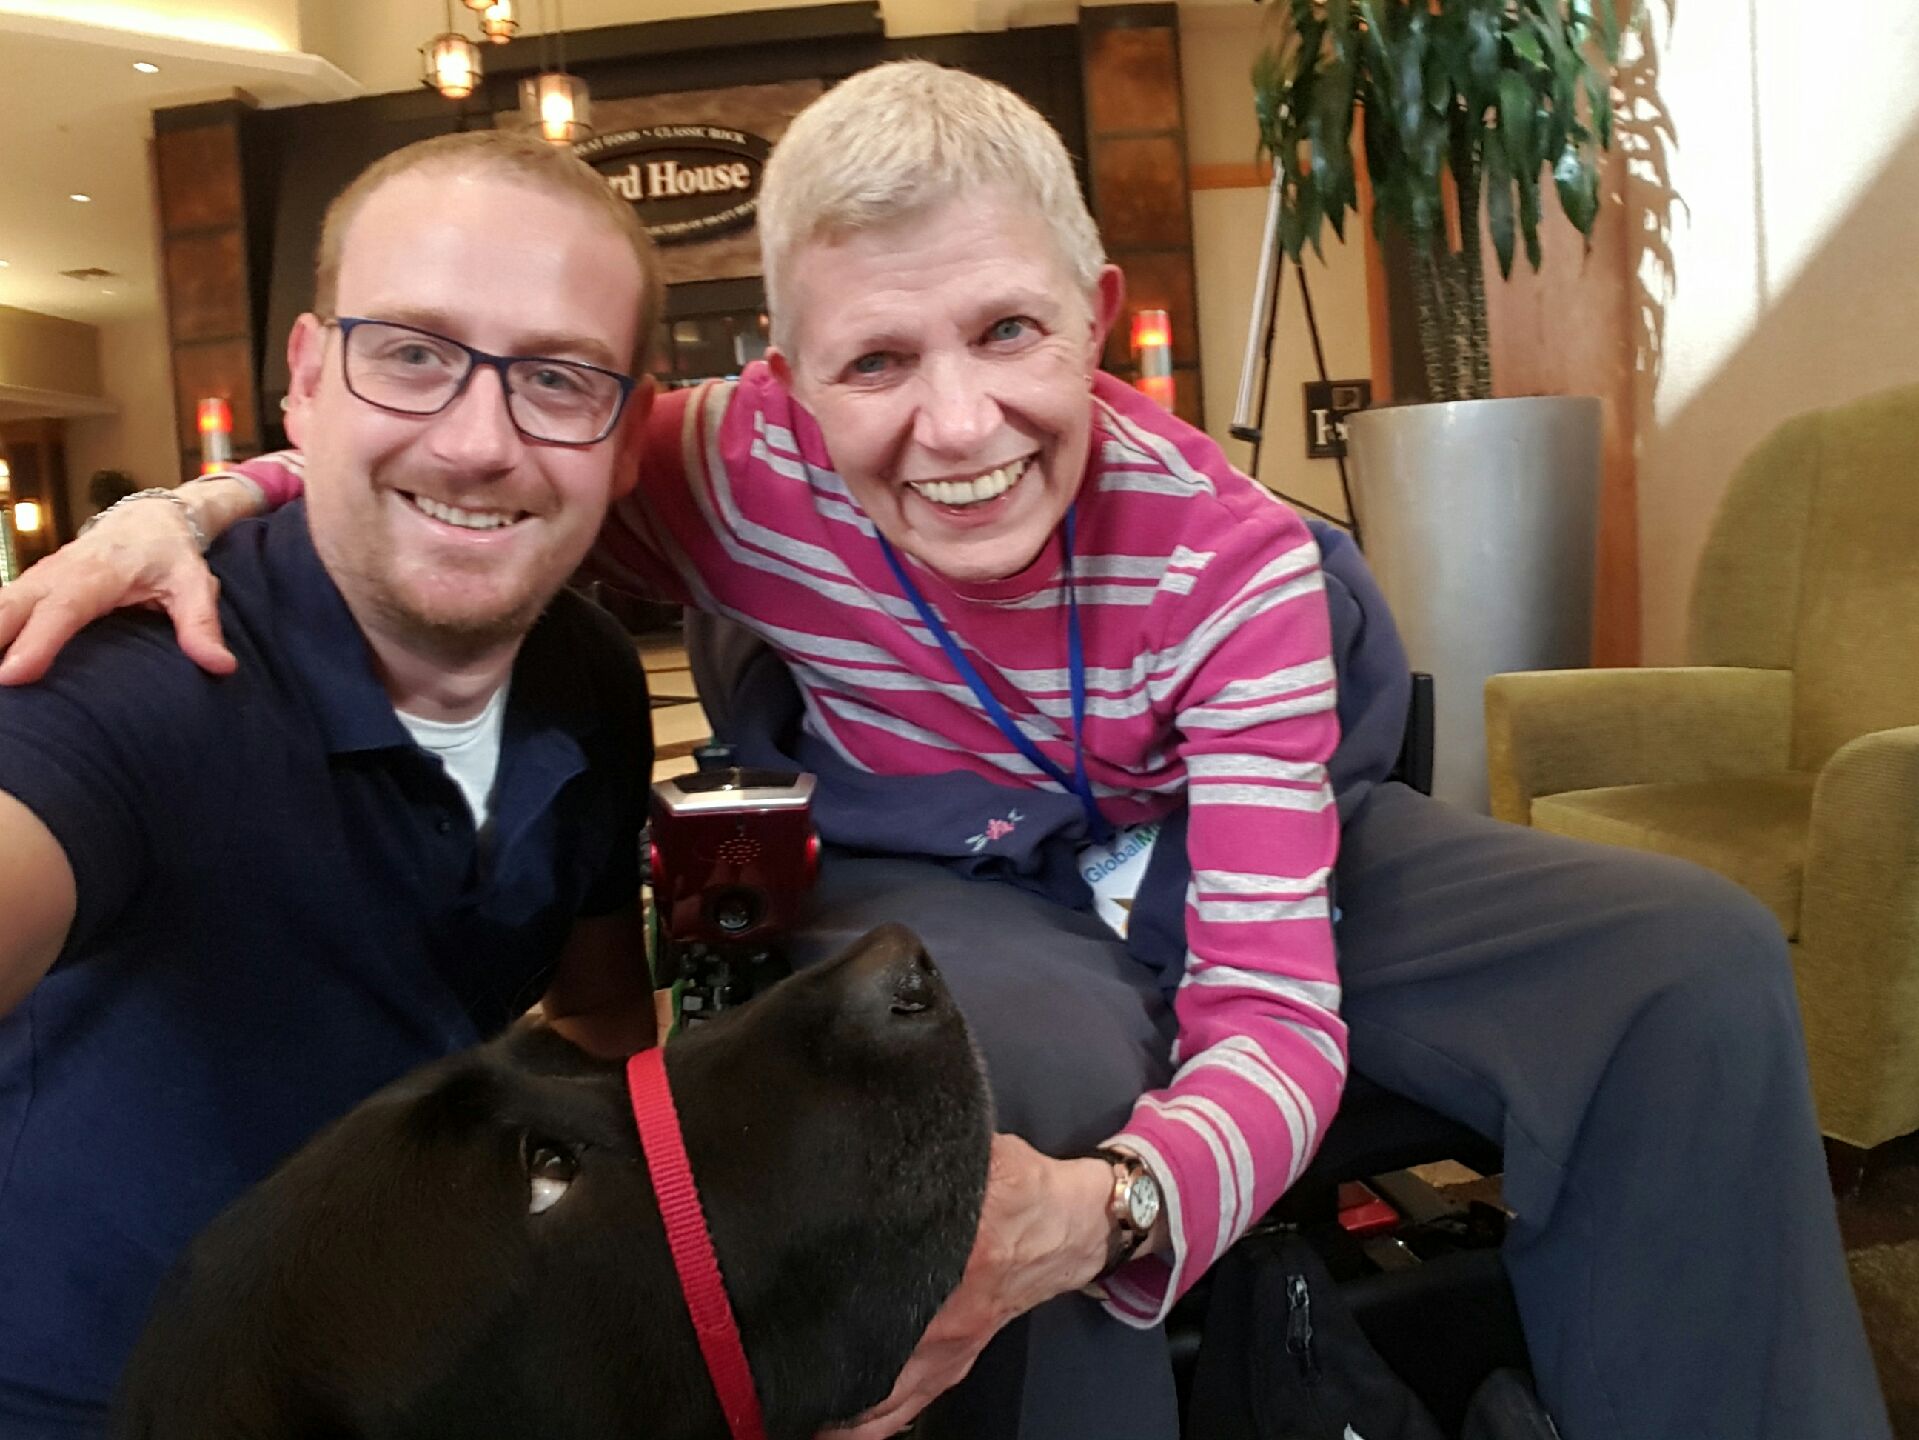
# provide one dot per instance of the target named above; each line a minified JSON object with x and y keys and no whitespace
{"x":692,"y":1246}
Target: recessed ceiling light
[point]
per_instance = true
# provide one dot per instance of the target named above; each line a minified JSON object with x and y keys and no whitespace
{"x":109,"y":292}
{"x":146,"y":67}
{"x":4,"y":264}
{"x":83,"y":199}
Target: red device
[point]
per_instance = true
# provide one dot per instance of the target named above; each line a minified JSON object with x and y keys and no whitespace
{"x":732,"y":855}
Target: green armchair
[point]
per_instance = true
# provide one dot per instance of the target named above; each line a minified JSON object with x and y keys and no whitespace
{"x":1786,"y":757}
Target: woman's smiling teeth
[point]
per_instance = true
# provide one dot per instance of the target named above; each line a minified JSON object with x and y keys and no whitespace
{"x":465,"y":519}
{"x":990,"y":486}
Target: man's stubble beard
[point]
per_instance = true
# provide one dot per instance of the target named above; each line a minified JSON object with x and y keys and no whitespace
{"x":453,"y":642}
{"x":367,"y":581}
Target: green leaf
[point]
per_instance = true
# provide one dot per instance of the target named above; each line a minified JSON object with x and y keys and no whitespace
{"x":1339,"y":27}
{"x":1516,"y":123}
{"x":1578,"y":186}
{"x":1546,"y":24}
{"x":1529,"y":216}
{"x":1292,"y":227}
{"x":1409,"y":71}
{"x":1526,"y":45}
{"x":1547,"y":11}
{"x":1482,"y":49}
{"x":1331,"y":123}
{"x":1499,"y":206}
{"x":1599,"y":92}
{"x":1609,"y":32}
{"x":1438,"y":79}
{"x":1311,"y":214}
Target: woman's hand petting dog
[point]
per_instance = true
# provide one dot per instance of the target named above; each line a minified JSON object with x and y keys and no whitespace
{"x":1043,"y":1231}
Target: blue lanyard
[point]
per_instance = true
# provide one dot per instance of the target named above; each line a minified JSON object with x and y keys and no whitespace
{"x":1077,"y":782}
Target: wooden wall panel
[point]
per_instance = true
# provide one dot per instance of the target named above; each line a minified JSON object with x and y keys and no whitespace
{"x":199,"y":188}
{"x":204,"y":302}
{"x":1138,"y":180}
{"x":1140,"y":87}
{"x":198,"y":171}
{"x":1141,"y":185}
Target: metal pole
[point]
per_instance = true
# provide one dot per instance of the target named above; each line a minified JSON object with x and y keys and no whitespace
{"x":1246,"y":423}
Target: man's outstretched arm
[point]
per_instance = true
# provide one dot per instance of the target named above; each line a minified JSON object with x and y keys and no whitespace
{"x":36,"y":897}
{"x":146,"y":554}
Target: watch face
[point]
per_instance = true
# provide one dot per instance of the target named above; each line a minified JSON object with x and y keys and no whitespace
{"x":1142,"y":1201}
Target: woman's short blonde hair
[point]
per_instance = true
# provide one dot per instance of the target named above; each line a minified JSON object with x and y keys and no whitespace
{"x":511,"y":154}
{"x":897,"y":140}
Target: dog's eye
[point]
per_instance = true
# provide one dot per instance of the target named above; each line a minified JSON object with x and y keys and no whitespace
{"x":550,"y":1170}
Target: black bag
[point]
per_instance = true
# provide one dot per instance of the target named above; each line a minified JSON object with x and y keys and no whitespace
{"x":1282,"y":1358}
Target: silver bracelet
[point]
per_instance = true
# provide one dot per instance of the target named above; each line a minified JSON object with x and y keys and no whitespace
{"x":186,"y":513}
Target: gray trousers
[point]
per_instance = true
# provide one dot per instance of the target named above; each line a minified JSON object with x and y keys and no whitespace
{"x":1624,"y":1025}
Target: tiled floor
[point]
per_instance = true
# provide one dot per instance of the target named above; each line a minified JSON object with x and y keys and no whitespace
{"x":679,"y":725}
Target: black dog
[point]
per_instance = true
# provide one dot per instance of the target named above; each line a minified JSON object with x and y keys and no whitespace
{"x":477,"y":1251}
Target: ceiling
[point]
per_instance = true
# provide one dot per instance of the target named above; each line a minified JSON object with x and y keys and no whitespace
{"x":75,"y":114}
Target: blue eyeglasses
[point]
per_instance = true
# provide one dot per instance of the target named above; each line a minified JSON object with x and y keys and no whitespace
{"x":411,"y":371}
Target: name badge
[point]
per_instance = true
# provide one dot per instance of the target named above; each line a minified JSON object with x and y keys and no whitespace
{"x":1114,"y":872}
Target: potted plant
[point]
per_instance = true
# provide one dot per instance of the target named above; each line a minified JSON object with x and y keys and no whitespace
{"x":1480,"y":515}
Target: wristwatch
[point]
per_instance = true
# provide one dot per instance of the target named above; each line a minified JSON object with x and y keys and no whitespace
{"x":1133,"y":1208}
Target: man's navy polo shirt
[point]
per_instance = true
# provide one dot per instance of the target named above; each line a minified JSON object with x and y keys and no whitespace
{"x":281,"y":907}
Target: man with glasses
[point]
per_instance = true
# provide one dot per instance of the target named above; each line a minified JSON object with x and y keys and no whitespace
{"x":431,"y":764}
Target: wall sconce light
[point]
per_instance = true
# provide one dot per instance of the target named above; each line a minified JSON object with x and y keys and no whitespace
{"x":557,"y":105}
{"x":1153,"y":354}
{"x":26,"y":516}
{"x":450,"y":61}
{"x":498,"y":22}
{"x":216,"y":434}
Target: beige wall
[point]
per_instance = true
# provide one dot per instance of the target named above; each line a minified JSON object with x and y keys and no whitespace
{"x":1796,"y":272}
{"x":377,"y":43}
{"x":139,"y":438}
{"x":1217,"y":48}
{"x":40,"y":352}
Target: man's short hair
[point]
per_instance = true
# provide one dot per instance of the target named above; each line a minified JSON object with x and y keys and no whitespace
{"x":900,"y":139}
{"x":510,"y":154}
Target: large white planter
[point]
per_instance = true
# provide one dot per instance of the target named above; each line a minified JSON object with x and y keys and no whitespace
{"x":1479,"y":519}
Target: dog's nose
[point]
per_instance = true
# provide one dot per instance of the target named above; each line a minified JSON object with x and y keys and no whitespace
{"x":915,"y":982}
{"x":893,"y":960}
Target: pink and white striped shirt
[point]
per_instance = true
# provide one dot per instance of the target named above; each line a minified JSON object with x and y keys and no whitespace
{"x":1209,"y":678}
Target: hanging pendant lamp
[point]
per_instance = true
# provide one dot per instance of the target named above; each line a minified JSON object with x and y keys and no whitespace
{"x":498,"y":22}
{"x":451,"y":62}
{"x":554,"y":103}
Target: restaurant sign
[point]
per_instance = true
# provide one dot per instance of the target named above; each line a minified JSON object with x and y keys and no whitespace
{"x":688,"y":182}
